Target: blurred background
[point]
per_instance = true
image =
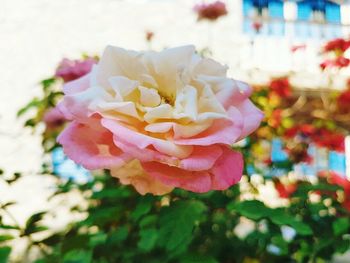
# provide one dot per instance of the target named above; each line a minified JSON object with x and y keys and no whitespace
{"x":298,"y":51}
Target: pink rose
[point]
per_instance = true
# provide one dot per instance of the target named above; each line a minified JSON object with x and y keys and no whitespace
{"x":159,"y":120}
{"x":70,"y":70}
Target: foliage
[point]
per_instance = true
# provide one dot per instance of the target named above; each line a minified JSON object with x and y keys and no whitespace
{"x":122,"y":226}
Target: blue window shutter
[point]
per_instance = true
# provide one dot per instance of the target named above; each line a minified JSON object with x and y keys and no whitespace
{"x":277,"y":152}
{"x":276,"y":9}
{"x":337,"y":162}
{"x":333,"y":13}
{"x":304,"y":10}
{"x":247,"y":7}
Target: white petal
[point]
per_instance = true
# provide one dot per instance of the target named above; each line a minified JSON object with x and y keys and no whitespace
{"x":127,"y":108}
{"x":208,"y":102}
{"x":163,"y":111}
{"x":149,"y":97}
{"x":122,"y":85}
{"x":186,"y":131}
{"x":119,"y":62}
{"x":186,"y":103}
{"x":210,"y":67}
{"x":148,"y":80}
{"x":162,"y":127}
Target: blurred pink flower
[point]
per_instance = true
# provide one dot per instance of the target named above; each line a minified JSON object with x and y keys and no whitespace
{"x":210,"y":11}
{"x":53,"y":118}
{"x":70,"y":70}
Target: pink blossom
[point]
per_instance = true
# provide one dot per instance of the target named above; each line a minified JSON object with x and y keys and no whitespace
{"x":54,"y":118}
{"x":70,"y":70}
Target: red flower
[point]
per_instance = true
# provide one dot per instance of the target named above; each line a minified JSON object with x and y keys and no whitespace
{"x":291,"y":132}
{"x":343,"y":100}
{"x":342,"y":62}
{"x":267,"y":161}
{"x":326,"y":64}
{"x":211,"y":11}
{"x":70,"y":70}
{"x":338,"y":44}
{"x":329,"y":139}
{"x":281,"y":87}
{"x":305,"y":130}
{"x":339,"y":62}
{"x":285,"y":190}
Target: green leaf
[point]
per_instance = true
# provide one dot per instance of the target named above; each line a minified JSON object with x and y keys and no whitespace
{"x":280,"y":216}
{"x":256,"y":210}
{"x":303,"y":189}
{"x":119,"y":235}
{"x":30,"y":123}
{"x":281,"y":244}
{"x":343,"y":246}
{"x":148,"y":221}
{"x":301,"y":228}
{"x":341,"y":226}
{"x":34,"y":103}
{"x":4,"y":254}
{"x":8,"y":204}
{"x":5,"y":238}
{"x":97,"y":239}
{"x":51,"y":240}
{"x":78,"y":256}
{"x":31,"y":224}
{"x":15,"y":177}
{"x":252,"y":209}
{"x":46,"y":83}
{"x":148,"y":239}
{"x":198,"y":259}
{"x":142,"y":208}
{"x":75,"y":243}
{"x":103,"y":215}
{"x":9,"y":227}
{"x":177,"y":223}
{"x":112,"y":193}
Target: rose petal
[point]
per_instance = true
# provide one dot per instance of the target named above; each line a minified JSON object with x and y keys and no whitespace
{"x":226,"y":171}
{"x":202,"y":158}
{"x":143,"y":141}
{"x":91,"y":145}
{"x":133,"y":173}
{"x":252,"y":117}
{"x":221,"y":131}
